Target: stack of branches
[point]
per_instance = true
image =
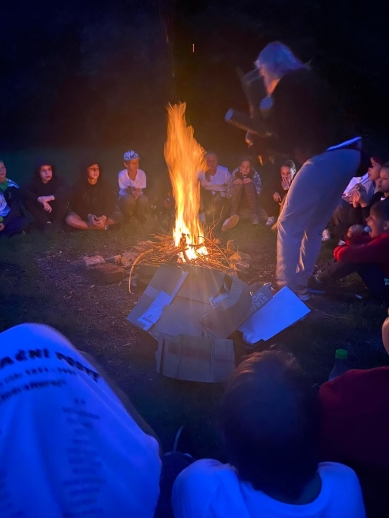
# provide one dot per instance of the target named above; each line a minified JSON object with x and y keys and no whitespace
{"x":163,"y":250}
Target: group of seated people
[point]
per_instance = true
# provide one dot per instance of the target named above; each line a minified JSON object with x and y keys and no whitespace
{"x":290,"y":448}
{"x":90,"y":204}
{"x":225,"y":194}
{"x":361,"y":221}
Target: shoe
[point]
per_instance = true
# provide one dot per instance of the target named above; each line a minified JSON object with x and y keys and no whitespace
{"x":326,"y":235}
{"x":230,"y":223}
{"x":270,"y":221}
{"x":302,"y":294}
{"x":254,"y":219}
{"x":315,"y":285}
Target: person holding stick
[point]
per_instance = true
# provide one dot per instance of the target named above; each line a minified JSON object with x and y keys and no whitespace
{"x":301,"y":116}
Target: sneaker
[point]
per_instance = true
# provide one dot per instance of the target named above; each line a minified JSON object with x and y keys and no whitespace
{"x":270,"y":221}
{"x":302,"y":294}
{"x":315,"y":285}
{"x":230,"y":222}
{"x":254,"y":219}
{"x":325,"y":235}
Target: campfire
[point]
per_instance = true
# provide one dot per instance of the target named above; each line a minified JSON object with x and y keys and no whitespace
{"x":189,"y":242}
{"x":185,"y":158}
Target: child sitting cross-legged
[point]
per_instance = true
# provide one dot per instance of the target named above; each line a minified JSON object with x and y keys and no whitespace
{"x":368,"y":255}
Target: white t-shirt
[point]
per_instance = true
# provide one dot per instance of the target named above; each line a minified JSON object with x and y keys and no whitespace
{"x":125,"y":181}
{"x":68,"y":447}
{"x":221,"y":177}
{"x":209,"y":489}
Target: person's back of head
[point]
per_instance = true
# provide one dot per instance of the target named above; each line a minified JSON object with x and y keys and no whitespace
{"x":270,"y":422}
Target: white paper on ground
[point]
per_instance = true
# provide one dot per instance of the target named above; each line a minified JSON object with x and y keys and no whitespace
{"x":154,"y":311}
{"x":283,"y":310}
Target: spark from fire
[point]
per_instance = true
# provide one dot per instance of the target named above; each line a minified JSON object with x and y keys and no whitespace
{"x":185,"y":158}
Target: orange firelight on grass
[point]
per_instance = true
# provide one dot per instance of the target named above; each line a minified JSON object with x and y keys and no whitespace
{"x":185,"y":158}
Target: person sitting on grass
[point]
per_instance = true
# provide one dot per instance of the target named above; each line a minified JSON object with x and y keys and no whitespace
{"x":368,"y":255}
{"x":12,"y":220}
{"x":356,"y":427}
{"x":273,"y":203}
{"x":358,"y":194}
{"x":245,"y":183}
{"x":88,"y":452}
{"x":381,"y":194}
{"x":46,"y":197}
{"x":270,"y":422}
{"x":132,"y":181}
{"x":214,"y":183}
{"x":92,"y":202}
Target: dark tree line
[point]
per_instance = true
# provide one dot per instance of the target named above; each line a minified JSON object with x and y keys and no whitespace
{"x":99,"y":73}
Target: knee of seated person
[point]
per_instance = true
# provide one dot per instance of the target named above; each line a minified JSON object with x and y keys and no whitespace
{"x":266,"y":391}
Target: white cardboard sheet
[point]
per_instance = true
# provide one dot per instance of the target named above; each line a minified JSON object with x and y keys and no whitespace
{"x":282,"y":311}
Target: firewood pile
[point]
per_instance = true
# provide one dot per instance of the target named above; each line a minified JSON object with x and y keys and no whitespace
{"x":163,"y":250}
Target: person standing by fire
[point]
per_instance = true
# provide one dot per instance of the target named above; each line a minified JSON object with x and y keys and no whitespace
{"x":304,"y":118}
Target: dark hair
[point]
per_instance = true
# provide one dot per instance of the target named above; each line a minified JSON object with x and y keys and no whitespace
{"x":40,"y":163}
{"x":246,"y":158}
{"x":379,"y":159}
{"x":289,"y":163}
{"x":85,"y":166}
{"x":270,"y":419}
{"x":381,"y":210}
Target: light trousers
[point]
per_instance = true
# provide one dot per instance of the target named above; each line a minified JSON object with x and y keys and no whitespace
{"x":312,"y":198}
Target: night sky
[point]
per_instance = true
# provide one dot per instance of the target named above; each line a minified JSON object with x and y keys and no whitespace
{"x":101,"y":73}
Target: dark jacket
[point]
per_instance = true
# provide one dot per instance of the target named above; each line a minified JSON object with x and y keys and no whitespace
{"x":375,"y":198}
{"x":98,"y":199}
{"x":35,"y":188}
{"x":306,"y":117}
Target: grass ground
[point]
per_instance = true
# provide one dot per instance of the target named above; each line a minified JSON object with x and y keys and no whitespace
{"x":42,"y":280}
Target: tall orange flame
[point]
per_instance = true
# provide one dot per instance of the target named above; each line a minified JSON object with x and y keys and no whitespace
{"x":185,"y":158}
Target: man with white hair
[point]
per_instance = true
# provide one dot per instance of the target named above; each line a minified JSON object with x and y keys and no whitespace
{"x":304,"y":118}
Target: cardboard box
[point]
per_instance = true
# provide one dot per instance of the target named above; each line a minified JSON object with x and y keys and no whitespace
{"x":193,"y":358}
{"x":191,"y":300}
{"x":191,"y":311}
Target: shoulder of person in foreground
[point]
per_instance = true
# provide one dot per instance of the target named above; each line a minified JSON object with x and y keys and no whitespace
{"x":342,"y":489}
{"x":200,"y":485}
{"x":355,"y":408}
